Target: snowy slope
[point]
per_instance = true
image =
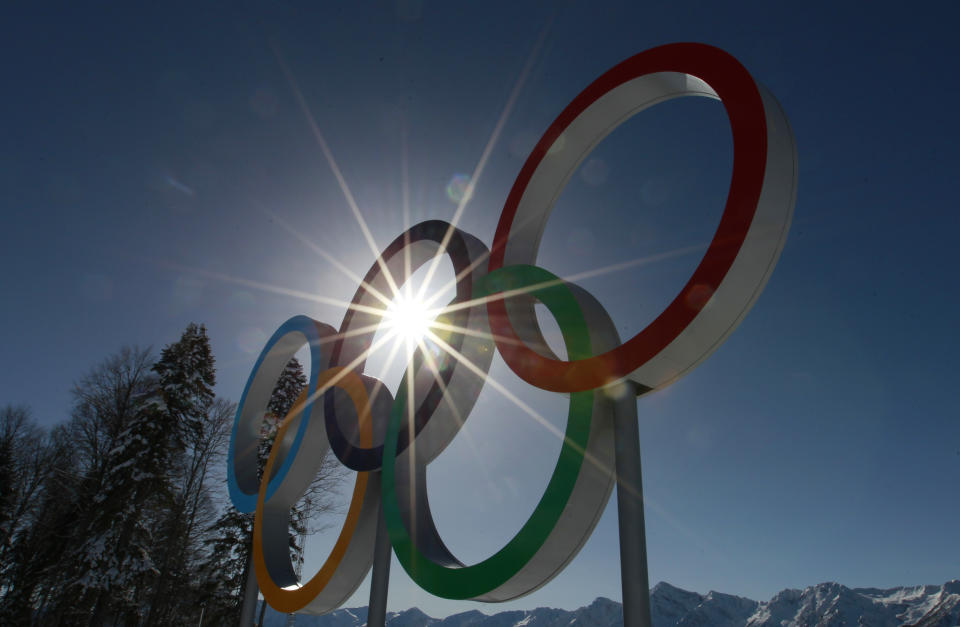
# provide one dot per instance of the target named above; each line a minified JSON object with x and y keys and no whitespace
{"x":823,"y":605}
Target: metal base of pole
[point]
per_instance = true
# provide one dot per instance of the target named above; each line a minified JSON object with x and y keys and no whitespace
{"x":380,"y":578}
{"x":250,"y":590}
{"x":633,"y":541}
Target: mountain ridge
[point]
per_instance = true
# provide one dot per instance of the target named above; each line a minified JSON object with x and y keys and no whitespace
{"x":827,"y":604}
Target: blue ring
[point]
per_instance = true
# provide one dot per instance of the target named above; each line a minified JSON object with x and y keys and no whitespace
{"x":247,"y":502}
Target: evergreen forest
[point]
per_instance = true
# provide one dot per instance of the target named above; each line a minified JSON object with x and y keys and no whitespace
{"x":119,"y":514}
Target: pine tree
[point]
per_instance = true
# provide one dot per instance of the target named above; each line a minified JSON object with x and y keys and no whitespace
{"x":186,"y":401}
{"x":290,"y":384}
{"x":56,"y":574}
{"x":126,"y":484}
{"x":34,"y":568}
{"x":292,"y":381}
{"x":139,"y":533}
{"x":187,"y":374}
{"x":224,"y":572}
{"x":107,"y":515}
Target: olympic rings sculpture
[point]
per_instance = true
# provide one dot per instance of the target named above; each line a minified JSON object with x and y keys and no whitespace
{"x":390,"y":441}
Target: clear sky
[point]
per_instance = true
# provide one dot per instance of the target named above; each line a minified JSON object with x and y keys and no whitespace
{"x":156,"y":169}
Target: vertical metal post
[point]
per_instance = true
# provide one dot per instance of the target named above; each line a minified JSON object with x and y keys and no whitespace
{"x":633,"y":541}
{"x":250,"y":590}
{"x":263,"y":610}
{"x":380,"y":579}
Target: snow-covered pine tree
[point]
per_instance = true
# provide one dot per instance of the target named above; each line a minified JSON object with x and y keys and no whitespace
{"x":186,"y":374}
{"x":223,"y":574}
{"x":291,"y":382}
{"x":131,"y":484}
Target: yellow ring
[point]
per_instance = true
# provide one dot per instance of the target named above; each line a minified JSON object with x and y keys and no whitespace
{"x":287,"y":600}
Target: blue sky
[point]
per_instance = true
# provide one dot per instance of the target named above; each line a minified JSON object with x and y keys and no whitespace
{"x":156,"y":169}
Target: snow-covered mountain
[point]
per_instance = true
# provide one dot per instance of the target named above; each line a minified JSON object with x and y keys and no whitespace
{"x":831,"y":604}
{"x":823,"y":605}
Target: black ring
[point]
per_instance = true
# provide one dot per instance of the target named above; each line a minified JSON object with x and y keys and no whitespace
{"x":348,"y":348}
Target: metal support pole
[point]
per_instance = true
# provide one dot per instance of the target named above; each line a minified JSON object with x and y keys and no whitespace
{"x":633,"y":542}
{"x":250,"y":591}
{"x":380,"y":579}
{"x":263,"y":610}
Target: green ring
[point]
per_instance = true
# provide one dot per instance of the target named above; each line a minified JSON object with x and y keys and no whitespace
{"x":475,"y":581}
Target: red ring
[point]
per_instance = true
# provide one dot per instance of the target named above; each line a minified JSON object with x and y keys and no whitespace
{"x":741,"y":98}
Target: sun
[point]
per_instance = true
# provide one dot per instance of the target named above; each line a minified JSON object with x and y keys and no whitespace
{"x":409,"y":318}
